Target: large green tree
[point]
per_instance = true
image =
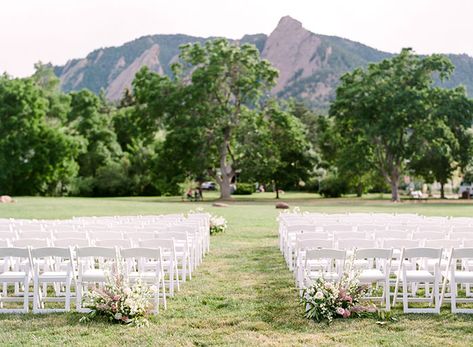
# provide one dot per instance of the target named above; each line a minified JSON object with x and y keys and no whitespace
{"x":37,"y":155}
{"x":275,"y":148}
{"x":214,"y":87}
{"x":446,"y":144}
{"x":387,"y":107}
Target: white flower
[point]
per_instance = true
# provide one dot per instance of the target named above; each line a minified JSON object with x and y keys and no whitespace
{"x":328,"y":285}
{"x":118,"y":316}
{"x":153,"y":289}
{"x":319,"y":295}
{"x":127,"y":291}
{"x":340,"y":311}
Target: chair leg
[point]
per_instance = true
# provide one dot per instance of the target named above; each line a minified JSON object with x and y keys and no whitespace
{"x":36,"y":295}
{"x":387,"y":295}
{"x":68,"y":295}
{"x":404,"y":296}
{"x":78,"y":296}
{"x":453,"y":295}
{"x":26,"y":296}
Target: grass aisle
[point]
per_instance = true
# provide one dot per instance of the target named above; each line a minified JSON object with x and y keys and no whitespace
{"x":242,"y":295}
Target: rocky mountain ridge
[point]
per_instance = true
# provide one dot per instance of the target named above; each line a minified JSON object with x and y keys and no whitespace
{"x":310,"y":65}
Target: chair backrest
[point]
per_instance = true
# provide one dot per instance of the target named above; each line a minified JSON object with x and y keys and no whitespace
{"x":301,"y":228}
{"x":181,"y":236}
{"x":428,"y":235}
{"x":337,"y":228}
{"x":446,"y":244}
{"x":139,"y":235}
{"x":460,"y":229}
{"x":467,"y":243}
{"x":391,"y":234}
{"x":370,"y":227}
{"x":422,"y":252}
{"x":349,"y":235}
{"x":96,"y":252}
{"x":120,"y":243}
{"x":14,"y":252}
{"x":34,"y":234}
{"x":140,"y":252}
{"x":59,"y":235}
{"x":314,"y":243}
{"x":105,"y":235}
{"x":71,"y":243}
{"x":434,"y":228}
{"x":461,"y":236}
{"x":314,"y":235}
{"x":465,"y":253}
{"x":34,"y":243}
{"x":355,"y":243}
{"x":379,"y":253}
{"x":325,"y":253}
{"x":400,"y":243}
{"x":158,"y":243}
{"x":51,"y":252}
{"x":7,"y":235}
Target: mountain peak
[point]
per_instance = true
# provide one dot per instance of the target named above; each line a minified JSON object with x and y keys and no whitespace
{"x":288,"y":22}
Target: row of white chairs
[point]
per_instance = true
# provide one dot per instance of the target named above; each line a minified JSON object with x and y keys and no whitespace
{"x":296,"y":228}
{"x":65,"y":274}
{"x":439,"y":273}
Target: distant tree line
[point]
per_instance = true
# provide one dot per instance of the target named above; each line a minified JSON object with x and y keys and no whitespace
{"x":215,"y":118}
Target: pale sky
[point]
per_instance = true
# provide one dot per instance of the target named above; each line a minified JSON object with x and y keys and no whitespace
{"x":58,"y":30}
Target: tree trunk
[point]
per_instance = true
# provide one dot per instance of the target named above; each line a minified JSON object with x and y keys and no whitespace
{"x":359,"y":190}
{"x":442,"y":190}
{"x":277,"y":190}
{"x":227,"y":173}
{"x":395,"y":190}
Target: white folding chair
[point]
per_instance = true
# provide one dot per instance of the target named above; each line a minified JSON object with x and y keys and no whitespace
{"x":70,"y":235}
{"x":456,"y":274}
{"x":420,"y":274}
{"x":112,"y":243}
{"x":71,"y":243}
{"x":136,"y":237}
{"x":136,"y":260}
{"x":168,"y":252}
{"x":105,"y":235}
{"x":185,"y":263}
{"x":301,"y":248}
{"x":94,"y":264}
{"x":323,"y":263}
{"x":377,"y":272}
{"x":12,"y":273}
{"x":48,"y":264}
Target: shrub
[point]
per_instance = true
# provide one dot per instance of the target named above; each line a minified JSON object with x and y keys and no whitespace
{"x":332,"y":187}
{"x":244,"y":189}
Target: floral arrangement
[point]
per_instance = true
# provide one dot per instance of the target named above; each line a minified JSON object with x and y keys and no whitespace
{"x":325,"y":300}
{"x":218,"y":224}
{"x":119,"y":301}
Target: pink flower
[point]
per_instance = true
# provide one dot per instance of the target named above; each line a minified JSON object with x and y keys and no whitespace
{"x":346,"y":314}
{"x":340,"y":311}
{"x":348,"y":298}
{"x":116,"y":297}
{"x":114,"y":308}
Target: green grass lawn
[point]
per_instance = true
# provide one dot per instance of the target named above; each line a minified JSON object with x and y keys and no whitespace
{"x":243,"y":293}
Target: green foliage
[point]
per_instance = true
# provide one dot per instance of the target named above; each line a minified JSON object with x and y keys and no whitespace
{"x":332,"y":186}
{"x":381,"y":114}
{"x":36,"y":156}
{"x":215,"y":86}
{"x":244,"y":189}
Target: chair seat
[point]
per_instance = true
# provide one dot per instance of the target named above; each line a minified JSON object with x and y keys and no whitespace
{"x":360,"y":264}
{"x":53,"y":275}
{"x":146,"y":276}
{"x":464,"y":276}
{"x":93,"y":275}
{"x":371,"y":275}
{"x":419,"y":276}
{"x":331,"y":276}
{"x":12,"y":275}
